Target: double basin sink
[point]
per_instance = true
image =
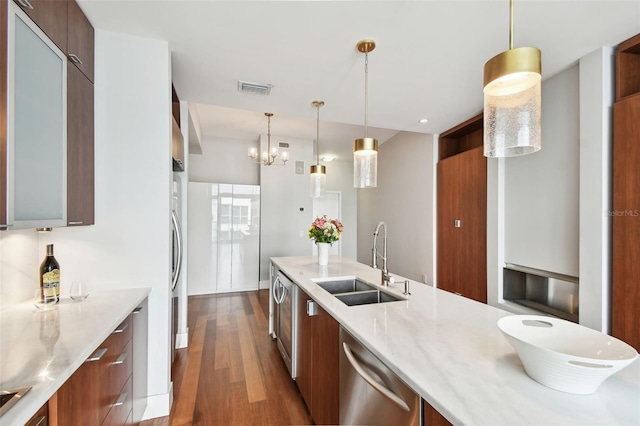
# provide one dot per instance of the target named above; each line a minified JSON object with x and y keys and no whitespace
{"x":352,"y":292}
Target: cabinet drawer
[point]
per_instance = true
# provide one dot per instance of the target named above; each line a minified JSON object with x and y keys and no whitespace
{"x":118,"y":371}
{"x":119,"y":338}
{"x":121,"y":407}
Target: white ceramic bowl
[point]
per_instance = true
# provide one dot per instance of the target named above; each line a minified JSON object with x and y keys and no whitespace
{"x":563,"y":355}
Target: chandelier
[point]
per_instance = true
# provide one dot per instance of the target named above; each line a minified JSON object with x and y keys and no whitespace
{"x":269,"y":156}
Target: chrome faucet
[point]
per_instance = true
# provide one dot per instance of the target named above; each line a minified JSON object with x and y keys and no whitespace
{"x":386,"y":277}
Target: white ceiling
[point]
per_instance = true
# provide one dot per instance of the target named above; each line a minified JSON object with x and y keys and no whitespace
{"x":428,"y":61}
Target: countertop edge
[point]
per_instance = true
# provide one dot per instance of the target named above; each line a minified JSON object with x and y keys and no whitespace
{"x":31,"y":402}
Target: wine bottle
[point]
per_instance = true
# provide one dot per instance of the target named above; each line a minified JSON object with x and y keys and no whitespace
{"x":49,"y":278}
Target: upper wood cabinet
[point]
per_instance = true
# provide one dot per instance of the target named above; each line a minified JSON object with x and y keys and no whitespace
{"x":462,"y":212}
{"x":50,"y":16}
{"x":80,"y":149}
{"x":80,"y":48}
{"x":626,"y":195}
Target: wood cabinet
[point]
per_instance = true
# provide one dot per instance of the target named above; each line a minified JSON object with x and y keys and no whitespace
{"x":67,"y":26}
{"x":40,"y":418}
{"x":318,"y":360}
{"x":101,"y":389}
{"x":80,"y":44}
{"x":431,"y":417}
{"x":50,"y":16}
{"x":626,"y":195}
{"x":462,"y":212}
{"x":80,"y":149}
{"x":177,"y":140}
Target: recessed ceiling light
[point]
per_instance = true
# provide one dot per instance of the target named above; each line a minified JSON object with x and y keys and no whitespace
{"x":328,"y":158}
{"x":423,"y":120}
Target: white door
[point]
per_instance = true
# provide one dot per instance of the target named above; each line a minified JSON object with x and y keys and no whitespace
{"x":330,"y":205}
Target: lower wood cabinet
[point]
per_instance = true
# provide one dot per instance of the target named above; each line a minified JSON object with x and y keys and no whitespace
{"x":431,"y":416}
{"x":110,"y":388}
{"x":318,"y":360}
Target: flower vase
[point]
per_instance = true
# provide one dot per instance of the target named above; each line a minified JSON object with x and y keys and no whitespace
{"x":323,"y":253}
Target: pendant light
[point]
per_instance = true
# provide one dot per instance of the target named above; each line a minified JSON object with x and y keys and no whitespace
{"x":365,"y":150}
{"x":512,"y":100}
{"x":317,"y":172}
{"x":269,"y":156}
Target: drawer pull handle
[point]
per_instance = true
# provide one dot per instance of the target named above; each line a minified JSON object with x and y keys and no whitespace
{"x":25,"y":4}
{"x":97,"y":355}
{"x":74,"y":58}
{"x":138,"y":310}
{"x":75,"y":222}
{"x":122,"y":328}
{"x":120,"y":359}
{"x":121,"y":399}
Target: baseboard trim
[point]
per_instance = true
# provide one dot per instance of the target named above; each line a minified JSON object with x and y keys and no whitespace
{"x":182,"y":339}
{"x":159,"y":405}
{"x":263,"y":284}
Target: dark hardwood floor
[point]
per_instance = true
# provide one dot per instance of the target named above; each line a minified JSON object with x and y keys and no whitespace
{"x":232,"y":372}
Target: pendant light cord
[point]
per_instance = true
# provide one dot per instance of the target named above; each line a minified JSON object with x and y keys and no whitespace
{"x":510,"y":24}
{"x":318,"y":134}
{"x":366,"y":92}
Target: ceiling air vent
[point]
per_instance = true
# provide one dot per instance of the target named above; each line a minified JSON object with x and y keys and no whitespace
{"x":255,"y":88}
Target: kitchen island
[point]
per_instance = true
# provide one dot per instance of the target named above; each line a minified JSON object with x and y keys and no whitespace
{"x":450,"y":351}
{"x":42,"y":348}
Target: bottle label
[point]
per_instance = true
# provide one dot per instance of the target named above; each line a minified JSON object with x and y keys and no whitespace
{"x":51,"y":283}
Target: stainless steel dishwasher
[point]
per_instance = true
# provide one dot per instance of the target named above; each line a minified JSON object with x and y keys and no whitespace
{"x":370,"y":393}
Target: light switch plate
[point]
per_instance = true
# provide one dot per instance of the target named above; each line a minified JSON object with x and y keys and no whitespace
{"x":299,"y":167}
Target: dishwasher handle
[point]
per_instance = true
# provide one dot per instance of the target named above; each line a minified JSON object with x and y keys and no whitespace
{"x":367,"y":378}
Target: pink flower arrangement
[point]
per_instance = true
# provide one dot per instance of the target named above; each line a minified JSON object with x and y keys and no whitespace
{"x":325,"y":230}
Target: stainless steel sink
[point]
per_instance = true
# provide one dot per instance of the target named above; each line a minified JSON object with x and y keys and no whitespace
{"x":366,"y":298}
{"x":352,"y":292}
{"x":345,"y":286}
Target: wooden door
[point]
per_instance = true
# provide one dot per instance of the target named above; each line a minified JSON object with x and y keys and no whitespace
{"x":626,"y":220}
{"x":326,"y":367}
{"x":462,"y":224}
{"x":472,"y":270}
{"x":447,"y":234}
{"x":80,"y":149}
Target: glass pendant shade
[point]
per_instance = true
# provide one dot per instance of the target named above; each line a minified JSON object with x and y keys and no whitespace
{"x":512,"y":103}
{"x":318,"y":181}
{"x":365,"y":163}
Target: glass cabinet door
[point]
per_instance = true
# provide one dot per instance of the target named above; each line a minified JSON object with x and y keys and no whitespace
{"x":36,"y":127}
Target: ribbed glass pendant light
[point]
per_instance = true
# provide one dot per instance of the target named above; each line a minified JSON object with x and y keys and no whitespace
{"x":317,"y":172}
{"x":513,"y":100}
{"x":365,"y":150}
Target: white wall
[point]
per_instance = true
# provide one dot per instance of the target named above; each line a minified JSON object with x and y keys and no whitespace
{"x":286,"y":206}
{"x":404,"y":201}
{"x":224,"y":161}
{"x":130,"y":244}
{"x":19,"y":266}
{"x":542,"y":189}
{"x":596,"y":100}
{"x":340,"y":178}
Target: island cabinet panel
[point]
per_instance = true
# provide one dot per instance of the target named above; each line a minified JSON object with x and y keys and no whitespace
{"x":431,"y":416}
{"x":50,"y":16}
{"x":626,"y":220}
{"x":462,"y":224}
{"x":318,"y":361}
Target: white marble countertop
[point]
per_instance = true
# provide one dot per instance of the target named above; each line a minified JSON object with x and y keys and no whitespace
{"x":450,"y":351}
{"x":43,"y":348}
